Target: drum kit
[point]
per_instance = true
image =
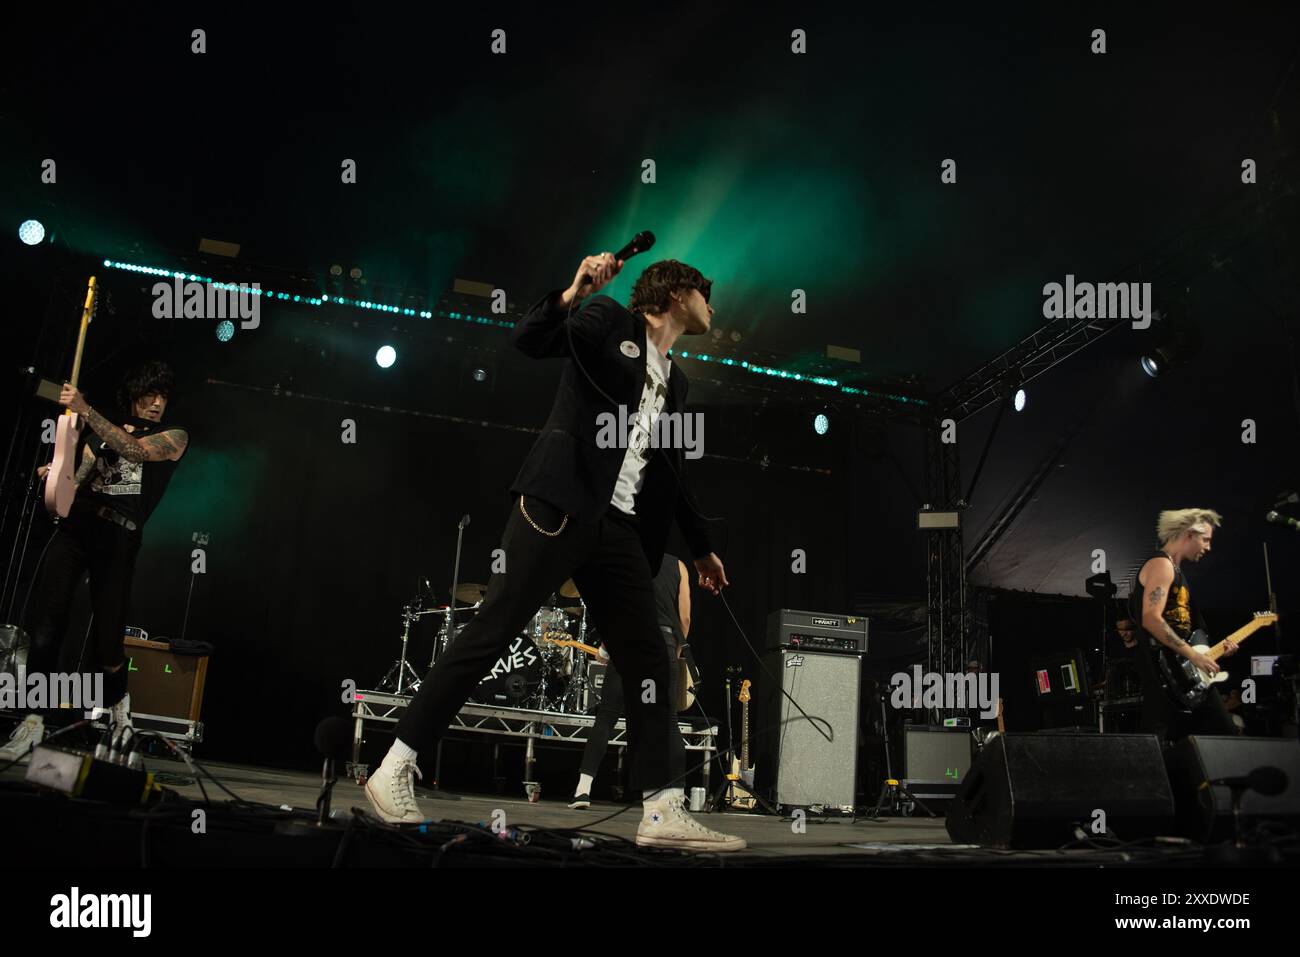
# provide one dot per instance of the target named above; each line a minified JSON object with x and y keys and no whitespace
{"x":545,"y":668}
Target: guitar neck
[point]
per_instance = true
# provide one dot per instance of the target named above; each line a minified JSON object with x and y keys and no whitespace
{"x":1238,"y":636}
{"x":86,"y":311}
{"x":744,"y":734}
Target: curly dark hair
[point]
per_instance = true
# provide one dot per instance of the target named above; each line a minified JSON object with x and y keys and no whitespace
{"x":148,"y":378}
{"x":650,"y":294}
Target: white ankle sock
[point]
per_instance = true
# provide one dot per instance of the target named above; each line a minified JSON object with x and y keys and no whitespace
{"x":584,"y":784}
{"x":399,"y":751}
{"x":662,"y":795}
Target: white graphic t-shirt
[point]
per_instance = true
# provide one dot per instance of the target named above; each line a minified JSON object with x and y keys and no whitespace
{"x":632,"y":476}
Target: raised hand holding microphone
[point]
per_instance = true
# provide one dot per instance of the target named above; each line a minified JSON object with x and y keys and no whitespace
{"x":593,"y":275}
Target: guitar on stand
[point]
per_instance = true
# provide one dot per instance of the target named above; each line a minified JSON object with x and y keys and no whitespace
{"x":731,"y":791}
{"x":61,"y":481}
{"x":741,"y":776}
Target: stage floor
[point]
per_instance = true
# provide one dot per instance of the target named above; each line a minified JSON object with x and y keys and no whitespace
{"x":768,"y":836}
{"x":772,"y":840}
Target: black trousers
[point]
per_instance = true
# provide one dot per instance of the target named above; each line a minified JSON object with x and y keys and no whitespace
{"x":612,"y":707}
{"x":607,"y":563}
{"x":84,"y":542}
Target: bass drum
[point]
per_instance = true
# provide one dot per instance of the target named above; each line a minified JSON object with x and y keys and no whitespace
{"x":515,"y":676}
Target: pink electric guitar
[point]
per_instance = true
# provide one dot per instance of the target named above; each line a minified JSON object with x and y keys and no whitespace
{"x":60,"y":481}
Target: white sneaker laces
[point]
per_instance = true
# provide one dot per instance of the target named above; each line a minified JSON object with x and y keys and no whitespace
{"x":678,"y":805}
{"x":403,"y":788}
{"x":21,"y":739}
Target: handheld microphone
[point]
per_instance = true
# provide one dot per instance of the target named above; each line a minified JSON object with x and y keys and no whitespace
{"x":639,"y":244}
{"x":1281,"y":519}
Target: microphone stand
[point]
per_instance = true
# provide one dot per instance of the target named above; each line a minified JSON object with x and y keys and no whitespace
{"x":1277,"y":636}
{"x":455,"y":580}
{"x":726,"y":785}
{"x":1238,"y":851}
{"x":327,"y":788}
{"x":450,"y":637}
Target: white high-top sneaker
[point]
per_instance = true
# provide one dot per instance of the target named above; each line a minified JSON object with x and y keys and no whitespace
{"x":24,"y":738}
{"x":667,"y":824}
{"x":391,"y":792}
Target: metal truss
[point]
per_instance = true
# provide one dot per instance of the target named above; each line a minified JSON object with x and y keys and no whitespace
{"x":947,"y":615}
{"x":526,"y":724}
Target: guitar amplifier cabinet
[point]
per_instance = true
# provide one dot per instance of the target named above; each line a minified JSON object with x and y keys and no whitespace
{"x":162,"y":683}
{"x":935,"y":760}
{"x":796,"y":764}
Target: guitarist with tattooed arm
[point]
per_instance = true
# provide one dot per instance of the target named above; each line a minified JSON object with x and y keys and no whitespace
{"x":1161,"y":601}
{"x":123,"y":472}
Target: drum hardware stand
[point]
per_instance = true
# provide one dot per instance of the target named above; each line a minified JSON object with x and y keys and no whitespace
{"x":443,"y":637}
{"x":541,"y":697}
{"x":401,"y":677}
{"x":892,"y":788}
{"x":578,"y":682}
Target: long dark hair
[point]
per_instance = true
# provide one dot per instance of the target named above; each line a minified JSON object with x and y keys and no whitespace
{"x":148,"y":378}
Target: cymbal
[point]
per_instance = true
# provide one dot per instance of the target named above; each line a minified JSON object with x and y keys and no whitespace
{"x":570,"y":609}
{"x":569,"y":590}
{"x":470,"y":592}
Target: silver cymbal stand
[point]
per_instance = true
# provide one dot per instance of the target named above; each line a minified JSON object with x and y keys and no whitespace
{"x":401,"y":676}
{"x":445,"y":633}
{"x":578,"y":680}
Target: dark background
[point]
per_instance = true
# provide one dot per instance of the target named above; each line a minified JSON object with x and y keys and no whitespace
{"x":775,"y":172}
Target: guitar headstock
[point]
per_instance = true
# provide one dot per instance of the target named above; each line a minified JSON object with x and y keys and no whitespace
{"x":92,"y":300}
{"x":744,"y":690}
{"x":1265,"y":617}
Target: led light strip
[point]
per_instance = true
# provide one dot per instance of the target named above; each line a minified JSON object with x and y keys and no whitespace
{"x":500,"y":323}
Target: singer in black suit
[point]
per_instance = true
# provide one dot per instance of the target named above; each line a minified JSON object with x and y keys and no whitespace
{"x":597,"y":512}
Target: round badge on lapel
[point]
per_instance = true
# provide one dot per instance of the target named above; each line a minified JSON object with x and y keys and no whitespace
{"x":629,"y":348}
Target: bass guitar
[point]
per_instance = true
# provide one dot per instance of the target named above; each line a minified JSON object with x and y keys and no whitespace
{"x":742,"y":772}
{"x":61,"y":480}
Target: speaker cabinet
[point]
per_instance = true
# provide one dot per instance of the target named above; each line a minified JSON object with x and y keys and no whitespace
{"x":795,"y":763}
{"x":1205,"y":810}
{"x":1029,"y":790}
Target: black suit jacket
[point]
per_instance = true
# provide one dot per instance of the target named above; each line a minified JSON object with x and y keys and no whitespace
{"x":566,"y":467}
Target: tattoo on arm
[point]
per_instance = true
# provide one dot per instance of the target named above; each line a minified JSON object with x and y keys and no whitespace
{"x":119,"y":440}
{"x":1156,"y":594}
{"x":87,"y":466}
{"x":1173,"y":641}
{"x":164,"y":445}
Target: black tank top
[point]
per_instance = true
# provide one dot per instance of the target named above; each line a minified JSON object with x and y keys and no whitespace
{"x":1178,"y":605}
{"x":132,"y":489}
